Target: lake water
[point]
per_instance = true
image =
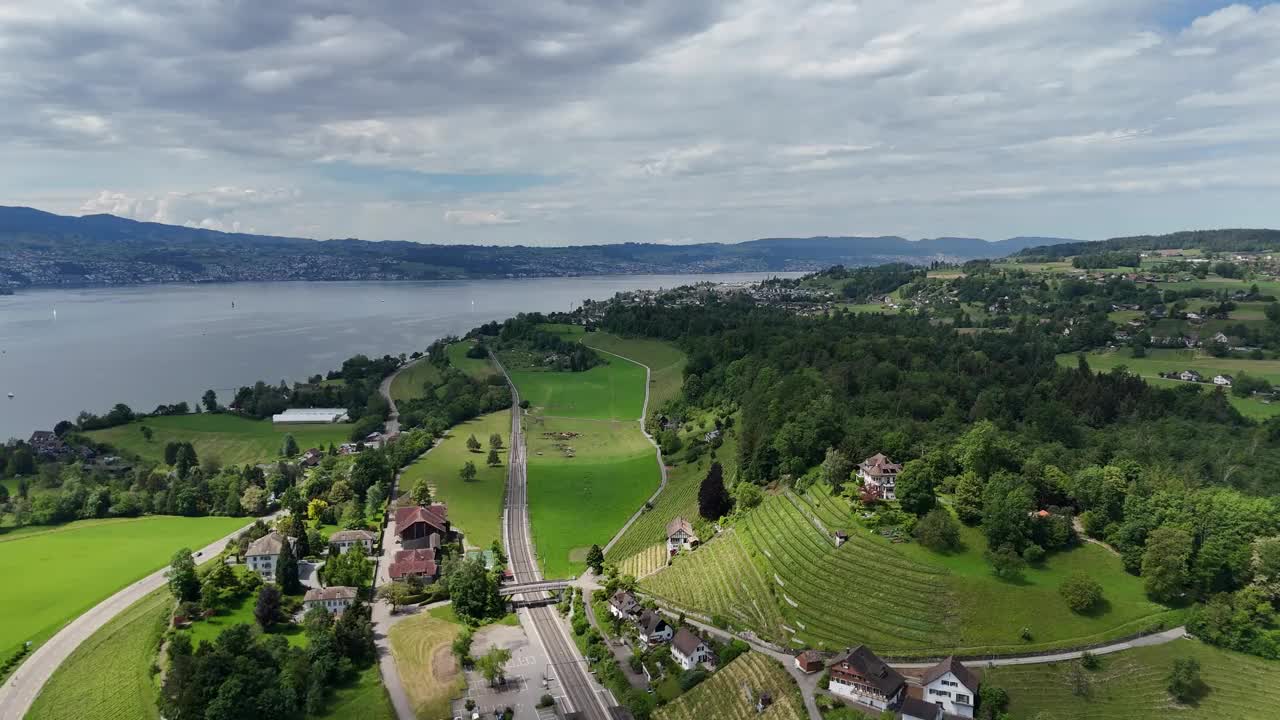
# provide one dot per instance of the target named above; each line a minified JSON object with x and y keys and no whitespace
{"x":63,"y":351}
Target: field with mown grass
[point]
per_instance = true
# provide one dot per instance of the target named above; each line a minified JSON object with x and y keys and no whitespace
{"x":109,"y":675}
{"x":428,"y":670}
{"x":232,"y":439}
{"x":726,"y":695}
{"x":776,"y":573}
{"x":65,"y":570}
{"x":1133,"y":685}
{"x":586,"y":477}
{"x":1170,"y":360}
{"x":474,"y":507}
{"x":409,"y":383}
{"x":666,"y":362}
{"x":614,"y":390}
{"x":478,"y":368}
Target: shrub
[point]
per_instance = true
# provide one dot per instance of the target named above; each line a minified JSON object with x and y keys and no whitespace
{"x":1081,"y":592}
{"x":1184,"y":679}
{"x":1033,"y":554}
{"x":938,"y":531}
{"x":546,"y":701}
{"x":1089,"y":661}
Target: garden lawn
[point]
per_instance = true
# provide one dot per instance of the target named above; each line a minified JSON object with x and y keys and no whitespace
{"x":724,"y":695}
{"x":1132,"y":685}
{"x":476,"y":368}
{"x":232,"y":439}
{"x":68,"y":569}
{"x":583,"y":488}
{"x":240,"y":612}
{"x":408,"y":385}
{"x":614,"y":390}
{"x":422,"y":648}
{"x":365,"y":699}
{"x":666,"y":362}
{"x":109,"y":675}
{"x":475,"y":507}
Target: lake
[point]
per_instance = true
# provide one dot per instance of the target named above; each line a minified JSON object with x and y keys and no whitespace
{"x":63,"y":351}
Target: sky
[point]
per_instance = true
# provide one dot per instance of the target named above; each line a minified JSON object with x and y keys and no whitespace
{"x":671,"y":121}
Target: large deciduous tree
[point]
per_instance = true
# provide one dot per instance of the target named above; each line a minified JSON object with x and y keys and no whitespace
{"x":183,"y":582}
{"x":1165,"y":563}
{"x":915,"y":487}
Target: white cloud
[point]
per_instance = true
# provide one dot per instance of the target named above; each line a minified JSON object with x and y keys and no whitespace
{"x":479,"y":217}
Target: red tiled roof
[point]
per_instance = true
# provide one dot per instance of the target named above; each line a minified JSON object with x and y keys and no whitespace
{"x":437,"y":516}
{"x":413,"y":562}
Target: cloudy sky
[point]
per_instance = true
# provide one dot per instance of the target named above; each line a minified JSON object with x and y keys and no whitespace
{"x":596,"y":121}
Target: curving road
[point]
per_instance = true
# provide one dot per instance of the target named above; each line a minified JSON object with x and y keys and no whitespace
{"x":581,"y":692}
{"x":21,"y":689}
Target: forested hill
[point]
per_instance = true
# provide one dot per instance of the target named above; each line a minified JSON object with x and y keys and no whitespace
{"x":42,"y":249}
{"x":1232,"y":240}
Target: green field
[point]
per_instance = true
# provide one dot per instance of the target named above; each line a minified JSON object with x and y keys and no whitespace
{"x":66,"y":570}
{"x":232,"y":439}
{"x":726,"y":694}
{"x":109,"y":675}
{"x":409,"y":383}
{"x":613,"y":390}
{"x":239,"y":612}
{"x":427,"y":668}
{"x":474,"y":507}
{"x":910,"y":600}
{"x":1162,"y":360}
{"x":583,"y":488}
{"x":666,"y":362}
{"x":1132,"y":685}
{"x":365,"y":699}
{"x":479,"y":369}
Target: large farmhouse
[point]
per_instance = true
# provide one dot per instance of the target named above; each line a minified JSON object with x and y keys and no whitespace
{"x":880,"y":474}
{"x":420,"y":563}
{"x":344,"y":540}
{"x":334,"y":599}
{"x":861,"y":676}
{"x":263,"y":555}
{"x":423,"y":527}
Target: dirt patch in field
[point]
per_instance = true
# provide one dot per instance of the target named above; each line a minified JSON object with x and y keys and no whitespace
{"x":444,"y":666}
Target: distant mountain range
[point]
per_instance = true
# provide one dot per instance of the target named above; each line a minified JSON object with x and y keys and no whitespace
{"x":42,"y":249}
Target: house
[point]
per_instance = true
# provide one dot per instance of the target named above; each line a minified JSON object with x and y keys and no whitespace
{"x":624,"y":605}
{"x":344,"y":540}
{"x":841,"y":537}
{"x":861,"y":676}
{"x":334,"y":599}
{"x":809,"y":661}
{"x":917,"y":709}
{"x":1223,"y":380}
{"x":423,"y":527}
{"x":263,"y":555}
{"x":45,"y":443}
{"x":688,"y":650}
{"x":880,"y":473}
{"x":951,"y":685}
{"x":680,"y":535}
{"x":420,"y":563}
{"x":1222,"y":338}
{"x":311,"y":457}
{"x":653,"y":628}
{"x":1190,"y":376}
{"x":310,"y":416}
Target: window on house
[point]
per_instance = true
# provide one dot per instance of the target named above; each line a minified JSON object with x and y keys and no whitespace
{"x":964,"y":699}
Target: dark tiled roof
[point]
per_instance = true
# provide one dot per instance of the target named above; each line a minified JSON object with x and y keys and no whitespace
{"x":651,"y":622}
{"x":337,"y":592}
{"x":920,"y":709}
{"x":677,"y":524}
{"x":955,"y":667}
{"x":686,"y":642}
{"x":270,"y":544}
{"x":436,"y":516}
{"x":625,"y":602}
{"x":869,"y":665}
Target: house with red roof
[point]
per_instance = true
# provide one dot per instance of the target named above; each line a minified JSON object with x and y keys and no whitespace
{"x":421,"y":563}
{"x":418,"y":526}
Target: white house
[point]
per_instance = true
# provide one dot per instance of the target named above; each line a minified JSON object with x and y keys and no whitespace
{"x":624,"y":605}
{"x":952,"y":686}
{"x":861,"y":676}
{"x":311,"y":416}
{"x":654,"y":629}
{"x":1189,"y":376}
{"x":680,"y":535}
{"x":1223,"y":380}
{"x":263,"y":555}
{"x":881,"y":474}
{"x":334,"y":599}
{"x":344,"y":540}
{"x":688,"y":650}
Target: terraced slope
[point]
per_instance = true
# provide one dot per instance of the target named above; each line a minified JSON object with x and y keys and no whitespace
{"x":730,"y":694}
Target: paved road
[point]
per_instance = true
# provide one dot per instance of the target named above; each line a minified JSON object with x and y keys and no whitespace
{"x":1159,"y":638}
{"x":582,"y":694}
{"x":24,"y":685}
{"x":662,"y":465}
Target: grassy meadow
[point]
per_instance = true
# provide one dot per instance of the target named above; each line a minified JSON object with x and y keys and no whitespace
{"x":608,"y":467}
{"x":722,"y":696}
{"x":109,"y":675}
{"x":1132,"y":685}
{"x":474,"y":507}
{"x":421,"y":646}
{"x":476,"y":368}
{"x":666,"y":362}
{"x":232,"y":439}
{"x":614,"y":390}
{"x":408,"y":385}
{"x":68,"y":569}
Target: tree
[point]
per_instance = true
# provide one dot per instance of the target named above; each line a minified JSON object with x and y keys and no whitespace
{"x":371,"y":468}
{"x":992,"y":701}
{"x":1006,"y":562}
{"x":421,"y":492}
{"x":474,"y":590}
{"x":353,"y":632}
{"x":1165,"y":570}
{"x":289,"y":447}
{"x":462,"y":647}
{"x":171,"y":452}
{"x":915,"y":488}
{"x":1265,"y":563}
{"x":1081,"y":592}
{"x":836,"y":468}
{"x":473,"y":444}
{"x":185,"y":460}
{"x":747,"y":495}
{"x":267,"y":609}
{"x":468,"y":472}
{"x":1184,"y":679}
{"x":298,"y":530}
{"x":147,"y":433}
{"x":492,"y":664}
{"x":317,"y":622}
{"x":1007,"y":503}
{"x":210,"y":401}
{"x":938,"y":531}
{"x":968,"y":498}
{"x":350,"y":568}
{"x":396,"y":593}
{"x":493,"y":460}
{"x":184,"y":584}
{"x":595,"y":559}
{"x":287,"y":570}
{"x":713,"y":500}
{"x":495,"y":441}
{"x":253,"y":500}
